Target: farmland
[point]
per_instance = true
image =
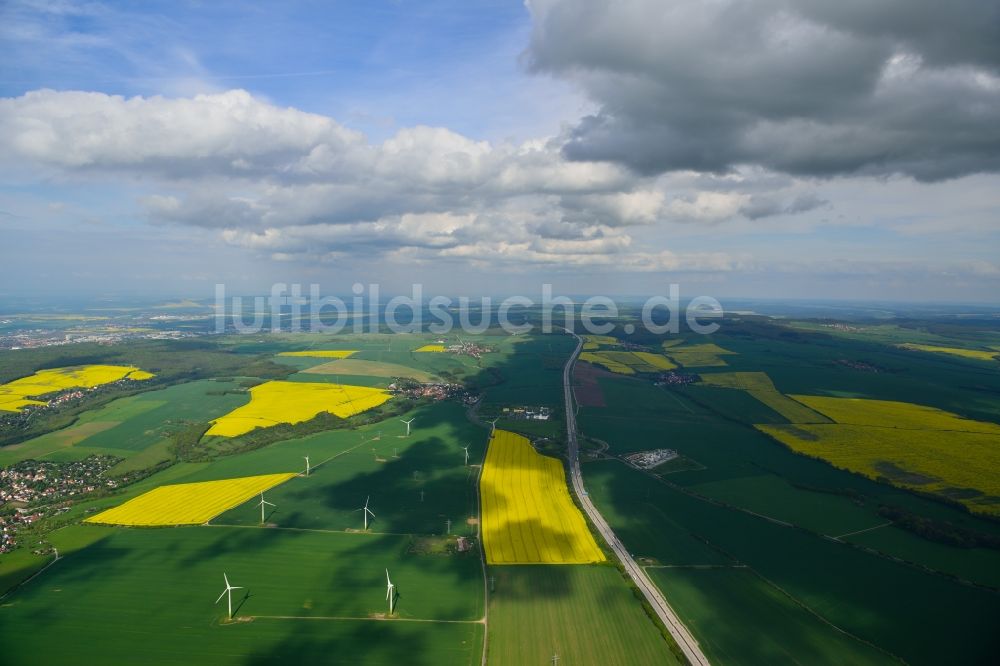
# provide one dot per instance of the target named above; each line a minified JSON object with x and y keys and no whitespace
{"x":528,"y":516}
{"x":767,"y":554}
{"x":594,"y":342}
{"x":760,"y":386}
{"x":415,"y":483}
{"x":976,"y":354}
{"x":829,"y":579}
{"x":137,"y":427}
{"x":127,"y":597}
{"x":695,"y":355}
{"x":320,"y":353}
{"x":733,"y":566}
{"x":581,"y":613}
{"x":17,"y":394}
{"x":911,"y":445}
{"x":371,"y":369}
{"x":431,"y":348}
{"x":293,"y":402}
{"x":628,"y":363}
{"x":734,"y":613}
{"x":187,"y":503}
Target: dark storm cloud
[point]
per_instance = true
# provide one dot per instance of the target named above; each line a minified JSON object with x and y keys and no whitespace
{"x":810,"y":88}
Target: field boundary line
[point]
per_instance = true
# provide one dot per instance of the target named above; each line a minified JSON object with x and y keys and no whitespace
{"x":867,"y":529}
{"x":335,"y":456}
{"x":694,"y":566}
{"x":334,"y":618}
{"x":801,"y":604}
{"x":29,"y":578}
{"x":315,"y":529}
{"x":681,"y":402}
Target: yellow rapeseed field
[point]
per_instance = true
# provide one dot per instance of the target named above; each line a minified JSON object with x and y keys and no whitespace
{"x":528,"y":515}
{"x":187,"y":503}
{"x":321,"y":353}
{"x":597,"y":340}
{"x":432,"y":348}
{"x":601,"y":359}
{"x":892,"y":414}
{"x":696,"y":356}
{"x":15,"y":395}
{"x":656,"y":361}
{"x":277,"y":402}
{"x":628,"y":363}
{"x":954,"y":351}
{"x":911,"y":445}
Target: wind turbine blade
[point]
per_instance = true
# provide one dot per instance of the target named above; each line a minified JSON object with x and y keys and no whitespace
{"x":236,"y":588}
{"x":222,"y":595}
{"x":225,"y":578}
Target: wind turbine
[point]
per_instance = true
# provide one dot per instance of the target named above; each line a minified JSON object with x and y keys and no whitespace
{"x":390,"y":592}
{"x":262,"y":503}
{"x":366,"y":512}
{"x":494,"y":422}
{"x":407,"y":425}
{"x":228,"y":591}
{"x":466,"y":449}
{"x":307,"y":464}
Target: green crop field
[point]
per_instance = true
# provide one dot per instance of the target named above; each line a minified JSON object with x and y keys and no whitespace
{"x":832,"y":579}
{"x":354,"y":366}
{"x":977,"y":565}
{"x":775,"y":497}
{"x":531,"y":371}
{"x":19,"y":565}
{"x":430,"y":461}
{"x":129,"y":597}
{"x":760,"y":386}
{"x":741,"y":620}
{"x":584,"y":614}
{"x":128,"y":426}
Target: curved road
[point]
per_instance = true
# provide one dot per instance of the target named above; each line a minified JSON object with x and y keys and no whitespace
{"x":652,"y":593}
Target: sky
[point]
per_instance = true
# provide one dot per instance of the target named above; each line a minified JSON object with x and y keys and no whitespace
{"x":763,"y":149}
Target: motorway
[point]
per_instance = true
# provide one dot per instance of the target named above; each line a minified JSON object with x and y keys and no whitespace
{"x":652,"y":593}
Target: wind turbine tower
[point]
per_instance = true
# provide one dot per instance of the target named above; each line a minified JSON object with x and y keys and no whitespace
{"x":365,"y":511}
{"x":263,"y":502}
{"x":390,"y":592}
{"x":466,"y":449}
{"x":307,"y":464}
{"x":228,"y":592}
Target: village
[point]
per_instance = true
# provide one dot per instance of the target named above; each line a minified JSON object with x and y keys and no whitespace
{"x":33,"y":489}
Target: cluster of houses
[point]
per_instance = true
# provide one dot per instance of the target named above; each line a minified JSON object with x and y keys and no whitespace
{"x":527,"y":413}
{"x":676,"y":379}
{"x":31,"y":489}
